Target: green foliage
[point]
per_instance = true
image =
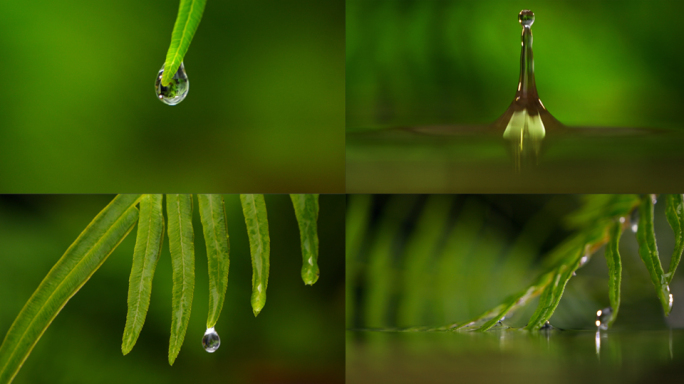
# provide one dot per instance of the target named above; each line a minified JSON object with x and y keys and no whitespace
{"x":675,"y":216}
{"x":189,"y":17}
{"x":254,"y":209}
{"x":612,"y":254}
{"x":213,"y":214}
{"x":306,"y":210}
{"x":72,"y":270}
{"x":182,"y":248}
{"x":110,"y":227}
{"x":148,"y":246}
{"x":648,"y":250}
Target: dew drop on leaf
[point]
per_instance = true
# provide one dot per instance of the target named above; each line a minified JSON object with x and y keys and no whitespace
{"x":177,"y":89}
{"x":211,"y":340}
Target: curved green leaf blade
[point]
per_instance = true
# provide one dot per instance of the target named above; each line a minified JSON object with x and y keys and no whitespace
{"x":70,"y":273}
{"x":182,"y":248}
{"x":306,"y":210}
{"x":187,"y":21}
{"x":145,"y":257}
{"x":648,"y":250}
{"x":254,"y":209}
{"x":612,"y":254}
{"x":675,"y":216}
{"x":213,"y":215}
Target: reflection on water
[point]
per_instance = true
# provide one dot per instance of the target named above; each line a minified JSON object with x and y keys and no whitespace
{"x":505,"y":354}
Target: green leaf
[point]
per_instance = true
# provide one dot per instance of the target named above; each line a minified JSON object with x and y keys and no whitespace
{"x":675,"y":216}
{"x":187,"y":21}
{"x":72,"y":270}
{"x":648,"y":250}
{"x":182,"y":247}
{"x":254,"y":208}
{"x":612,"y":254}
{"x":145,"y":257}
{"x":306,"y":210}
{"x":213,"y":215}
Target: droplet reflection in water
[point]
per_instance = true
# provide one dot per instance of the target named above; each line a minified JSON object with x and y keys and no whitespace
{"x":211,"y":340}
{"x":177,"y":89}
{"x":526,"y":121}
{"x":603,"y":317}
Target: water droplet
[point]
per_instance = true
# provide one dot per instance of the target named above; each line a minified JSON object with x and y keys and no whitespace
{"x":211,"y":340}
{"x":583,"y":261}
{"x":546,"y":327}
{"x":654,"y":199}
{"x":526,"y":18}
{"x":634,"y":220}
{"x":622,"y":220}
{"x":526,"y":121}
{"x":603,"y":316}
{"x":177,"y":89}
{"x":671,"y":299}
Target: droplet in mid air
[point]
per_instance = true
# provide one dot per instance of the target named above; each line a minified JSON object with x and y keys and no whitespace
{"x":211,"y":340}
{"x":177,"y":89}
{"x":603,"y":316}
{"x":634,"y":220}
{"x":526,"y":121}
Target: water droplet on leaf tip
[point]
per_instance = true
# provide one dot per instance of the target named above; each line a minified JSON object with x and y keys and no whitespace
{"x":177,"y":89}
{"x":603,"y":317}
{"x":634,"y":220}
{"x":211,"y":340}
{"x":526,"y":17}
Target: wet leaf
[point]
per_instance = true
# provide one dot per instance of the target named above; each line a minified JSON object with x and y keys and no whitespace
{"x":67,"y":276}
{"x":182,"y":248}
{"x":306,"y":210}
{"x":148,"y":245}
{"x":213,"y":215}
{"x":187,"y":21}
{"x":254,"y":209}
{"x":675,"y":216}
{"x":612,"y":254}
{"x":648,"y":251}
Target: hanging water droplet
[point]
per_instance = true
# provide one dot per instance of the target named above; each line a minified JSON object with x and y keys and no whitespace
{"x":634,"y":220}
{"x":211,"y":340}
{"x":526,"y":121}
{"x":603,"y":316}
{"x":654,"y":199}
{"x":546,"y":327}
{"x":177,"y":89}
{"x":583,"y":261}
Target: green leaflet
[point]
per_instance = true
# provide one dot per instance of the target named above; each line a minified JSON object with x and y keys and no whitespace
{"x":213,"y":215}
{"x":306,"y":210}
{"x":182,"y":248}
{"x":648,"y":250}
{"x":675,"y":216}
{"x":187,"y":21}
{"x":72,"y":270}
{"x":612,"y":254}
{"x":254,"y":209}
{"x":145,"y":257}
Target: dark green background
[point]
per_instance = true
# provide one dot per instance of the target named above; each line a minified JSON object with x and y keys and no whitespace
{"x":297,"y":338}
{"x":265,"y":111}
{"x":598,"y":63}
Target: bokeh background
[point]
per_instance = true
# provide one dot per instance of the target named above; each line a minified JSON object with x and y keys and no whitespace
{"x":598,"y":63}
{"x":297,"y":338}
{"x":265,"y":111}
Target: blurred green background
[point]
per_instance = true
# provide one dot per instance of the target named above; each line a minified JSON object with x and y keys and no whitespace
{"x":265,"y":110}
{"x":297,"y":338}
{"x":597,"y":63}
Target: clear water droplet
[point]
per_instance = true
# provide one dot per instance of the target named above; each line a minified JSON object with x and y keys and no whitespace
{"x":634,"y":220}
{"x":177,"y":89}
{"x":526,"y":121}
{"x":671,"y":299}
{"x":211,"y":340}
{"x":654,"y":199}
{"x":526,"y":18}
{"x":603,"y":316}
{"x":583,"y":261}
{"x":546,"y":327}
